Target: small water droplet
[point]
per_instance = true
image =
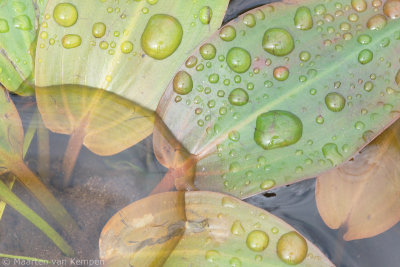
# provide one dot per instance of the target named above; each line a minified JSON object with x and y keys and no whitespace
{"x":303,"y":19}
{"x":238,"y":97}
{"x":235,"y":262}
{"x":377,"y":22}
{"x":249,"y":20}
{"x":22,"y":22}
{"x":331,"y":152}
{"x":257,"y":240}
{"x":183,"y":83}
{"x":161,"y":36}
{"x":365,"y":56}
{"x":99,"y":29}
{"x":238,"y":59}
{"x":205,"y":15}
{"x":320,"y":119}
{"x":208,"y":51}
{"x":359,"y":5}
{"x":237,"y":228}
{"x":359,"y":125}
{"x":126,"y":47}
{"x":275,"y":129}
{"x":4,"y":26}
{"x":228,"y":202}
{"x":234,"y":136}
{"x":71,"y":41}
{"x":212,"y":255}
{"x":320,"y":9}
{"x":335,"y":102}
{"x":278,"y":42}
{"x":364,"y":39}
{"x":368,"y":86}
{"x":234,"y":167}
{"x":65,"y":14}
{"x":281,"y":73}
{"x":191,"y":62}
{"x":213,"y":78}
{"x":268,"y":184}
{"x":305,"y":56}
{"x":227,"y":33}
{"x":292,"y":248}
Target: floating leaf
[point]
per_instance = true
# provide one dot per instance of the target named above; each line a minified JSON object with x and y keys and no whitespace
{"x":201,"y":229}
{"x":11,"y":160}
{"x":293,"y":90}
{"x":19,"y":22}
{"x":362,"y":195}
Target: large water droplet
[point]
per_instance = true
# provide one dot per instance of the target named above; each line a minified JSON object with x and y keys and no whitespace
{"x":377,"y":22}
{"x":365,"y":56}
{"x":303,"y":19}
{"x":257,"y":240}
{"x":238,"y":97}
{"x":292,"y":248}
{"x":99,"y":29}
{"x":4,"y":26}
{"x":278,"y":42}
{"x":22,"y":22}
{"x":208,"y":51}
{"x":162,"y":36}
{"x":183,"y":83}
{"x":392,"y":9}
{"x":65,"y":14}
{"x":237,"y":228}
{"x":331,"y":152}
{"x":359,"y":5}
{"x":281,"y":73}
{"x":227,"y":33}
{"x":71,"y":41}
{"x":238,"y":59}
{"x":277,"y":128}
{"x":205,"y":15}
{"x":126,"y":47}
{"x":335,"y":102}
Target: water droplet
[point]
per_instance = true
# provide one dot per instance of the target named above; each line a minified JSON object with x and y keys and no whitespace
{"x":281,"y":73}
{"x":71,"y":41}
{"x":365,"y":56}
{"x":234,"y":136}
{"x":99,"y":29}
{"x":126,"y":47}
{"x":152,"y":2}
{"x":331,"y":152}
{"x":162,"y":36}
{"x":359,"y":5}
{"x":364,"y":39}
{"x":320,"y":9}
{"x":205,"y":15}
{"x":234,"y":167}
{"x":238,"y":59}
{"x":368,"y":86}
{"x":249,"y":20}
{"x":238,"y":97}
{"x":103,"y":45}
{"x":22,"y":22}
{"x":257,"y":240}
{"x":258,"y":258}
{"x":377,"y":22}
{"x":268,"y":184}
{"x":359,"y":125}
{"x":335,"y":102}
{"x":212,"y":255}
{"x":228,"y":202}
{"x":303,"y":19}
{"x":305,"y":56}
{"x":183,"y":83}
{"x":392,"y":9}
{"x":65,"y":14}
{"x":227,"y":33}
{"x":278,"y":42}
{"x":397,"y":78}
{"x":237,"y":228}
{"x":213,"y":78}
{"x":277,"y":128}
{"x":208,"y":51}
{"x":235,"y":262}
{"x":4,"y":26}
{"x":292,"y":248}
{"x":191,"y":62}
{"x":320,"y":119}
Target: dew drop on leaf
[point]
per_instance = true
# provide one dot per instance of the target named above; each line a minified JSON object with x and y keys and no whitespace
{"x":303,"y":19}
{"x":249,"y":20}
{"x":182,"y":83}
{"x":238,"y":59}
{"x":397,"y":78}
{"x":257,"y":240}
{"x":208,"y":51}
{"x":99,"y":29}
{"x":377,"y":22}
{"x":4,"y":26}
{"x":268,"y":184}
{"x":275,"y":129}
{"x":392,"y":9}
{"x":364,"y":39}
{"x":359,"y":5}
{"x":292,"y":248}
{"x":71,"y":41}
{"x":365,"y":56}
{"x":335,"y":102}
{"x":212,"y":255}
{"x":205,"y":15}
{"x":126,"y":47}
{"x":238,"y":97}
{"x":161,"y":36}
{"x":191,"y":62}
{"x":281,"y":73}
{"x":237,"y":228}
{"x":278,"y":42}
{"x":235,"y":262}
{"x":304,"y":56}
{"x":227,"y":33}
{"x":65,"y":14}
{"x":22,"y":22}
{"x":331,"y":153}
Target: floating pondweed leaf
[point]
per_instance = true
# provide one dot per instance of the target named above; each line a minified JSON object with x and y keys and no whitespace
{"x":166,"y":230}
{"x":362,"y":196}
{"x":19,"y":22}
{"x":336,"y":80}
{"x":130,"y":48}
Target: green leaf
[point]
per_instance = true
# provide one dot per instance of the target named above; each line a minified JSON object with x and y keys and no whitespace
{"x":11,"y":199}
{"x":362,"y":195}
{"x":102,"y":47}
{"x":19,"y":23}
{"x":309,"y":99}
{"x":202,"y":229}
{"x":11,"y":160}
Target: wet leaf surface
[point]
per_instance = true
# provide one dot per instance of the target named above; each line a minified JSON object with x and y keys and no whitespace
{"x":282,"y":93}
{"x":199,"y":229}
{"x":362,"y":195}
{"x":19,"y":22}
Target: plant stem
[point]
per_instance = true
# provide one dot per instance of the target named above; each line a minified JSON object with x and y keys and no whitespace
{"x":44,"y":196}
{"x":11,"y":199}
{"x":43,"y":152}
{"x":23,"y":258}
{"x":166,"y":184}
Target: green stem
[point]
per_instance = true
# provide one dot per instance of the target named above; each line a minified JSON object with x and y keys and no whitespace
{"x":11,"y":199}
{"x":44,"y":196}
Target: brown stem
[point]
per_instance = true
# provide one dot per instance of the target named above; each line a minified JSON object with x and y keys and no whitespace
{"x":43,"y":152}
{"x":166,"y":184}
{"x":44,"y":196}
{"x":71,"y":154}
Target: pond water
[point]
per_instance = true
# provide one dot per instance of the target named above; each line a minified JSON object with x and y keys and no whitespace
{"x":103,"y":185}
